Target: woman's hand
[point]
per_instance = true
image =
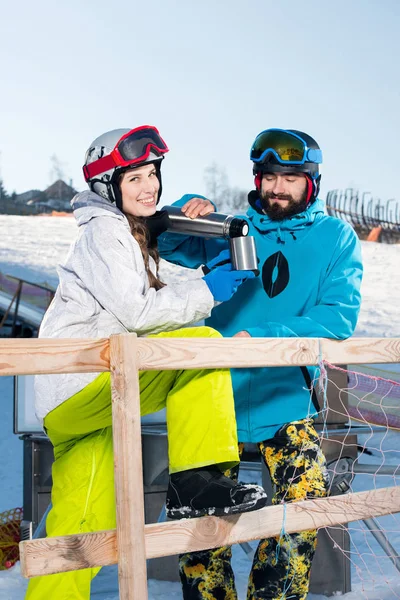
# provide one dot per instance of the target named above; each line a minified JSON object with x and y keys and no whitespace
{"x":197,"y":207}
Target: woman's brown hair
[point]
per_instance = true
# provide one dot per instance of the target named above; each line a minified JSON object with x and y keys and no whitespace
{"x":140,"y":232}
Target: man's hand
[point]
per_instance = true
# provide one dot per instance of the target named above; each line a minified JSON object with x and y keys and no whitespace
{"x":197,"y":207}
{"x":242,"y":334}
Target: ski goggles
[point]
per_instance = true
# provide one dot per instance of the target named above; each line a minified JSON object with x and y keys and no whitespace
{"x":133,"y":148}
{"x":288,"y":148}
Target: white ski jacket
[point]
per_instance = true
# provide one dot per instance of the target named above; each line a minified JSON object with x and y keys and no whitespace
{"x":104,"y":289}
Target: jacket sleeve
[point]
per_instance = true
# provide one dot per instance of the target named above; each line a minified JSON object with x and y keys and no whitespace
{"x":171,"y":273}
{"x":109,"y":263}
{"x":188,"y":250}
{"x":336,"y":313}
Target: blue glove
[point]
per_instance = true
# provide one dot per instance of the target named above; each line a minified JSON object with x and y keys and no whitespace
{"x":223,"y":258}
{"x":223,"y":282}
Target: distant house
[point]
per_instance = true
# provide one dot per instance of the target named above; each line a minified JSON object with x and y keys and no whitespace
{"x":56,"y":197}
{"x":26,"y":196}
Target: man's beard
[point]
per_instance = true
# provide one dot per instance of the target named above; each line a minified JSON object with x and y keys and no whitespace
{"x":276,"y":212}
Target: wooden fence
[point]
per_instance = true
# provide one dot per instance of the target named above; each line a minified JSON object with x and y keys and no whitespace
{"x":133,"y":541}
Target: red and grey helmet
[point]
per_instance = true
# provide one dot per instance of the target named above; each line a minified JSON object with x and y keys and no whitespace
{"x":112,"y":153}
{"x":287,"y":151}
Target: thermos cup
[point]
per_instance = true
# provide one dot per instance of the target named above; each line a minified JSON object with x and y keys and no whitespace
{"x":244,"y":254}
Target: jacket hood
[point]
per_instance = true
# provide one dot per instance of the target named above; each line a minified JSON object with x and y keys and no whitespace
{"x":87,"y":205}
{"x":265,"y":225}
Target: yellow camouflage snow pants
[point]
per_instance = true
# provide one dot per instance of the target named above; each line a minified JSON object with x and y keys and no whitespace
{"x":201,"y":431}
{"x":281,"y":566}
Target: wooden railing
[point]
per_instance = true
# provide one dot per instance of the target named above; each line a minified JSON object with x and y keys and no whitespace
{"x":133,"y":541}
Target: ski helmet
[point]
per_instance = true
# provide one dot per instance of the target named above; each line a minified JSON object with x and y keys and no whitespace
{"x":287,"y":151}
{"x":116,"y":151}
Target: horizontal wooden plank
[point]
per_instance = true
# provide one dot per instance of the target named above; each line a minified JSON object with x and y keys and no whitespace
{"x":38,"y":356}
{"x":68,"y":553}
{"x":184,"y":353}
{"x":24,"y":357}
{"x":200,"y":534}
{"x":361,"y":351}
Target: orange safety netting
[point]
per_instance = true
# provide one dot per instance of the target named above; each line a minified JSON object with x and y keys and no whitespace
{"x":10,"y":521}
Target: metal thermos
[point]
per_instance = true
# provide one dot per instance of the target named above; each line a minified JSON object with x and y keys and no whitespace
{"x":213,"y":225}
{"x":244,"y":254}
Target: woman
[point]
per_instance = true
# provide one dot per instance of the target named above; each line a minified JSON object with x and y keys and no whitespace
{"x":112,"y":282}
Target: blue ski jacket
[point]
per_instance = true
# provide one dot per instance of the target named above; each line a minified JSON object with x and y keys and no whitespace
{"x":309,"y":286}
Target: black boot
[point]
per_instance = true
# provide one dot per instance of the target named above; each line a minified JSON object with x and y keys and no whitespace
{"x":207,"y":491}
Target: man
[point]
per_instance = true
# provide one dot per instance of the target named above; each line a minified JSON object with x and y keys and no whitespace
{"x":309,"y":286}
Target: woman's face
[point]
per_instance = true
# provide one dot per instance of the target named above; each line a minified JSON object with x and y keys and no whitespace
{"x":139,"y":188}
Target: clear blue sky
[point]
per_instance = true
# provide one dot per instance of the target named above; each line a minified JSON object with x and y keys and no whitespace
{"x":210,"y":75}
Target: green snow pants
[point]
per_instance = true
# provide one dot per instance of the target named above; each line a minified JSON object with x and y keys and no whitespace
{"x":201,"y":431}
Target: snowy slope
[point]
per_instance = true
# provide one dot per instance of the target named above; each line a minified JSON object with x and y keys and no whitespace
{"x":380,"y":312}
{"x":31,"y":247}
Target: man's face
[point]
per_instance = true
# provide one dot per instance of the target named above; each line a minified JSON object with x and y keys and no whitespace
{"x":283,"y":194}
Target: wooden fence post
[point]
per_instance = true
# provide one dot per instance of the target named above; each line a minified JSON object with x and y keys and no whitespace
{"x":132,"y":573}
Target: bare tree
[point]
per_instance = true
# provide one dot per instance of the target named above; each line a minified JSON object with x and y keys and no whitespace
{"x":216,"y":181}
{"x":237,"y":200}
{"x":56,"y":171}
{"x":227,"y":199}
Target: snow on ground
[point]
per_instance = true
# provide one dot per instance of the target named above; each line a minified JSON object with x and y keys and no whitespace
{"x":380,"y":313}
{"x":31,"y":247}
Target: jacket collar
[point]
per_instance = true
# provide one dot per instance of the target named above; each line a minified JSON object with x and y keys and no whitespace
{"x":88,"y":205}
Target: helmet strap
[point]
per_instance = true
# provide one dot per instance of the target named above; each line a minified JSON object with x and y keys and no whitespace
{"x":116,"y":193}
{"x":310,"y":189}
{"x":316,"y":181}
{"x":257,"y":181}
{"x":158,"y":173}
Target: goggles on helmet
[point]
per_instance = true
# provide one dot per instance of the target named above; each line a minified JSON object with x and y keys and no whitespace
{"x":133,"y":148}
{"x":288,"y":148}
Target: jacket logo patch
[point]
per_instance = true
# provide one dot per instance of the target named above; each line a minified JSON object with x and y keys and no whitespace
{"x":275,"y":274}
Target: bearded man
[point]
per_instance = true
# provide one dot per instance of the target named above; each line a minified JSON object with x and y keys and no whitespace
{"x":309,"y":286}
